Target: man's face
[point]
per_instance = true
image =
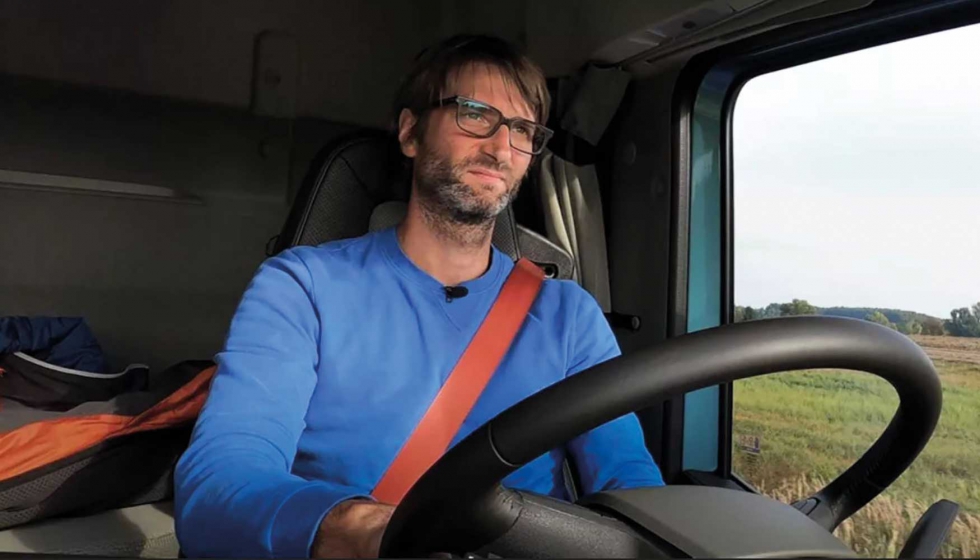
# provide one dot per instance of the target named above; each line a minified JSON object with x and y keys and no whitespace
{"x":460,"y":177}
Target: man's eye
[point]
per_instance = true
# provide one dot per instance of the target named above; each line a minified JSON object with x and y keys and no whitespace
{"x":524,"y":130}
{"x":474,"y":115}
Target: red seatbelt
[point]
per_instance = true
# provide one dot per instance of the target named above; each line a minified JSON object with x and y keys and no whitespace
{"x":464,"y":385}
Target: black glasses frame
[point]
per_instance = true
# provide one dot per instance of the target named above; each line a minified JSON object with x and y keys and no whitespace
{"x":546,"y":132}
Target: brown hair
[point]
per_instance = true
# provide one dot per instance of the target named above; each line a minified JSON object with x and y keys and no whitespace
{"x":436,"y":66}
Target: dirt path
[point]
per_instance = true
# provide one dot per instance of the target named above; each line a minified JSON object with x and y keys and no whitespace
{"x":950,"y":348}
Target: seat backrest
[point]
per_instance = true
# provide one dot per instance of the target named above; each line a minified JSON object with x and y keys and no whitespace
{"x":350,"y":188}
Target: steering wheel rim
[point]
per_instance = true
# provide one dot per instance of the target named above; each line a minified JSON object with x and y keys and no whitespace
{"x":459,"y":505}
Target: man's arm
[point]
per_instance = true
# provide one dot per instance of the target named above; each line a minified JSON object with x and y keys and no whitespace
{"x":612,"y":455}
{"x":234,"y":491}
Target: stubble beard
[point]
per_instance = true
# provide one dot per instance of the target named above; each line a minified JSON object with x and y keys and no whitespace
{"x":451,"y":207}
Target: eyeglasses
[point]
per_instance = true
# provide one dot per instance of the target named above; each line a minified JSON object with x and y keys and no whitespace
{"x":483,"y":121}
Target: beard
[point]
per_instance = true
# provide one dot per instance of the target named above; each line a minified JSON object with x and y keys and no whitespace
{"x":449,"y":203}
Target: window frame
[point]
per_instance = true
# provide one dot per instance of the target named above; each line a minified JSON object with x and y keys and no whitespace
{"x":705,"y":99}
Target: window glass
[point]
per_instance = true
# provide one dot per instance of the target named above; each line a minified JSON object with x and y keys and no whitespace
{"x":857,"y":193}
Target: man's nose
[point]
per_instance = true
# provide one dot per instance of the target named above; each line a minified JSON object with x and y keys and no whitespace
{"x":498,"y":145}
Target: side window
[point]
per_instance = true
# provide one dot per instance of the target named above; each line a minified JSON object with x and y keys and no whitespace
{"x":857,"y":194}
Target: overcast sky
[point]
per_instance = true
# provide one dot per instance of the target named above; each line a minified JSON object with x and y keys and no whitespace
{"x":857,"y":179}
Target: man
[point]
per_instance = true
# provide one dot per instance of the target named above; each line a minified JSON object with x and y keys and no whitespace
{"x":336,"y":352}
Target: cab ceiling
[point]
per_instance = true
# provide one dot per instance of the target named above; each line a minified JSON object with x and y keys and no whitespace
{"x":349,"y":55}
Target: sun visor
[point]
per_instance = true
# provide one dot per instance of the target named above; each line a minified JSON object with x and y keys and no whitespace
{"x":594,"y":97}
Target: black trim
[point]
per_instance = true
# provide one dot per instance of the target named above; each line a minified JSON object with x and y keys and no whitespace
{"x":726,"y":392}
{"x":672,"y":462}
{"x":881,"y":23}
{"x":726,"y":406}
{"x":688,"y":84}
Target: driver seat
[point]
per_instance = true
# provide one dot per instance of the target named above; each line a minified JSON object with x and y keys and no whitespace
{"x":360,"y":184}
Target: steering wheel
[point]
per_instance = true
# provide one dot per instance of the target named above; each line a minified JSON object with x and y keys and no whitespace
{"x":459,"y":506}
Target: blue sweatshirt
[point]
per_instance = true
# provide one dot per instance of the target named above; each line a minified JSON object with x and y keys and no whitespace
{"x":333,"y":356}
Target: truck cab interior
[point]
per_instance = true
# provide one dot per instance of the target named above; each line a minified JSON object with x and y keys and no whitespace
{"x":153,"y":153}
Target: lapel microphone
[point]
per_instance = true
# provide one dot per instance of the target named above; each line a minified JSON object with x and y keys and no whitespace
{"x":455,"y":292}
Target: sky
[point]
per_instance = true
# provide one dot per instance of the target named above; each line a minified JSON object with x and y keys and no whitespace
{"x":857,"y":179}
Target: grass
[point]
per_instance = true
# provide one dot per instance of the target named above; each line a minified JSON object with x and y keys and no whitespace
{"x":813,"y":424}
{"x":880,"y":529}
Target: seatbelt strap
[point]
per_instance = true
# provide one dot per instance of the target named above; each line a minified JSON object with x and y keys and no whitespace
{"x":464,"y":385}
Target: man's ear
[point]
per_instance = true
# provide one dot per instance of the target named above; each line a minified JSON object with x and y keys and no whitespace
{"x":406,"y":133}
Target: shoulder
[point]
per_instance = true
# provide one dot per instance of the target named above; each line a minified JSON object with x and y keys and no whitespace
{"x":566,"y":303}
{"x":332,"y":251}
{"x":333,"y":258}
{"x":567,"y":295}
{"x":574,"y":316}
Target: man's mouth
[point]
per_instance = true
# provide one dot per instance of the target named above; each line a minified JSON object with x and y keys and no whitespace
{"x":486,"y":173}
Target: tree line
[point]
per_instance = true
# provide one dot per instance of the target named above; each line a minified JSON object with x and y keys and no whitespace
{"x":964,"y":321}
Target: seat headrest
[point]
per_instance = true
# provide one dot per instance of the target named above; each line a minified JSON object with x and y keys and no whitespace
{"x":388,"y":214}
{"x":345,"y":182}
{"x":360,"y":184}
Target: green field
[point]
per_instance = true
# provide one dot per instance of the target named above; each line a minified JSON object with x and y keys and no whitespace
{"x":813,"y":424}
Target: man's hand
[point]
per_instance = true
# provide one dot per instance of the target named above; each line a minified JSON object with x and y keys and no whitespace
{"x":352,"y":529}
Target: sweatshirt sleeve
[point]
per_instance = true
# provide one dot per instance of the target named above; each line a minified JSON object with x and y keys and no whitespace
{"x":613,"y":455}
{"x":234,"y":491}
